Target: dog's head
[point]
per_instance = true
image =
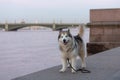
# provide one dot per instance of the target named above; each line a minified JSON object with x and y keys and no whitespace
{"x":64,"y":37}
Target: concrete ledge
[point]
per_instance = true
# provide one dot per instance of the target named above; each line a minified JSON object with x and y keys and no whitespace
{"x":103,"y":66}
{"x":96,"y":47}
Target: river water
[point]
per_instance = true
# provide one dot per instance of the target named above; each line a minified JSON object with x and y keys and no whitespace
{"x":25,"y":51}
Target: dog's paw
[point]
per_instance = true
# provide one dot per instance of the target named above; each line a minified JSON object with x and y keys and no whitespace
{"x":62,"y":70}
{"x":73,"y":71}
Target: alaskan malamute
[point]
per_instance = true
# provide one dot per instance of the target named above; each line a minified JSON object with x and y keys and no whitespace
{"x":71,"y":47}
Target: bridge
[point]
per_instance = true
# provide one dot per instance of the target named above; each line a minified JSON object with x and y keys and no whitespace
{"x":53,"y":26}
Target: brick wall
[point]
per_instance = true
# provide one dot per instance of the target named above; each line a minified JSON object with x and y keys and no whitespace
{"x":104,"y":30}
{"x":105,"y":34}
{"x":102,"y":15}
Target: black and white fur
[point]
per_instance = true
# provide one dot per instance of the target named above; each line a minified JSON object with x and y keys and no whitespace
{"x":71,"y":47}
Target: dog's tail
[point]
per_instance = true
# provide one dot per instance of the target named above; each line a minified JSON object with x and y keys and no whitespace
{"x":82,"y":30}
{"x":81,"y":34}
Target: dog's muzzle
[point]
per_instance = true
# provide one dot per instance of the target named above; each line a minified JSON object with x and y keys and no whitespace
{"x":65,"y":41}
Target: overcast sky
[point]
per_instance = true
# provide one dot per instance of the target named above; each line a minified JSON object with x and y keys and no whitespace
{"x":49,"y":10}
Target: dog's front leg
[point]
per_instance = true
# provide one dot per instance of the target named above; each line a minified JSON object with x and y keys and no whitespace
{"x":64,"y":65}
{"x":73,"y":60}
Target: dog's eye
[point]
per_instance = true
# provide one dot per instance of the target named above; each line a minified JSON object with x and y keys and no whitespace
{"x":66,"y":36}
{"x":61,"y":36}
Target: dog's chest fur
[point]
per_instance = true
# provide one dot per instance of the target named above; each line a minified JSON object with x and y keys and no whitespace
{"x":70,"y":50}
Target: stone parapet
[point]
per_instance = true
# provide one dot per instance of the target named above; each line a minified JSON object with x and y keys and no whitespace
{"x":104,"y":30}
{"x":105,"y":34}
{"x":98,"y":15}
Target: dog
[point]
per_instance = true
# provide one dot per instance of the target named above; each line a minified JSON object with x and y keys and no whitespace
{"x":71,"y":47}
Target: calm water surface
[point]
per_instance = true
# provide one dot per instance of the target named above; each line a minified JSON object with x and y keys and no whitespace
{"x":24,"y":52}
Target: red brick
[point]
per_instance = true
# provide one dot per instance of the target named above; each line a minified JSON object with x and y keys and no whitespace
{"x":96,"y":38}
{"x":104,"y":15}
{"x":116,"y":30}
{"x":104,"y":30}
{"x":98,"y":30}
{"x":108,"y":30}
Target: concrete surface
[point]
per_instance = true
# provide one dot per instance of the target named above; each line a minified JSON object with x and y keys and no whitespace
{"x":103,"y":66}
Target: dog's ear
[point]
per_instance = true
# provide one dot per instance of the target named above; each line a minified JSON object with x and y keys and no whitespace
{"x":68,"y":30}
{"x":69,"y":33}
{"x":60,"y":30}
{"x":59,"y":33}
